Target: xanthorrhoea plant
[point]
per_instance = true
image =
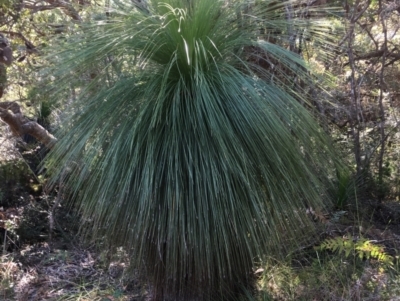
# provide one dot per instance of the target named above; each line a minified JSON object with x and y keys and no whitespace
{"x":179,"y":152}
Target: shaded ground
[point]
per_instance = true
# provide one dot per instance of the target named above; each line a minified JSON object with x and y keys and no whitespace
{"x":36,"y":272}
{"x":34,"y":269}
{"x":35,"y":265}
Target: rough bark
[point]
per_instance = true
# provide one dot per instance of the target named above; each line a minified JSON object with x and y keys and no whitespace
{"x":11,"y":114}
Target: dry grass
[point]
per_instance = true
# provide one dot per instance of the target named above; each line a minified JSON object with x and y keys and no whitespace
{"x":38,"y":273}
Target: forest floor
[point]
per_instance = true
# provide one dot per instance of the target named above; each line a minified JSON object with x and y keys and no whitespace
{"x":40,"y":262}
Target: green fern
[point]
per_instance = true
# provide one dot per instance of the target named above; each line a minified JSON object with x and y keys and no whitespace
{"x":362,"y":248}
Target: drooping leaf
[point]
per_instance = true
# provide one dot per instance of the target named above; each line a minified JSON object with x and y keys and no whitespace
{"x":183,"y":150}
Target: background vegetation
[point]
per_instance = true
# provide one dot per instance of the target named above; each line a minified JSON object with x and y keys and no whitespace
{"x":65,"y":65}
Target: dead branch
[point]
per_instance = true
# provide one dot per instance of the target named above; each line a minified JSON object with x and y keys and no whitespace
{"x":376,"y":54}
{"x":11,"y":114}
{"x":67,"y":8}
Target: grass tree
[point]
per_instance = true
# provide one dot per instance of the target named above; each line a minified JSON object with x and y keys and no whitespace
{"x":183,"y":149}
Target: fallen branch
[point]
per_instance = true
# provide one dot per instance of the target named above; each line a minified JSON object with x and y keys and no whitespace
{"x":10,"y":113}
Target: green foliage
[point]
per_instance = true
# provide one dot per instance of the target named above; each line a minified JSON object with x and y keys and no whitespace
{"x":15,"y":176}
{"x":344,"y":187}
{"x":177,"y":150}
{"x":362,"y":247}
{"x":316,"y":275}
{"x":8,"y":4}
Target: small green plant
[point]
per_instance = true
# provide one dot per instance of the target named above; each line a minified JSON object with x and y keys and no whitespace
{"x":362,"y":248}
{"x":342,"y":193}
